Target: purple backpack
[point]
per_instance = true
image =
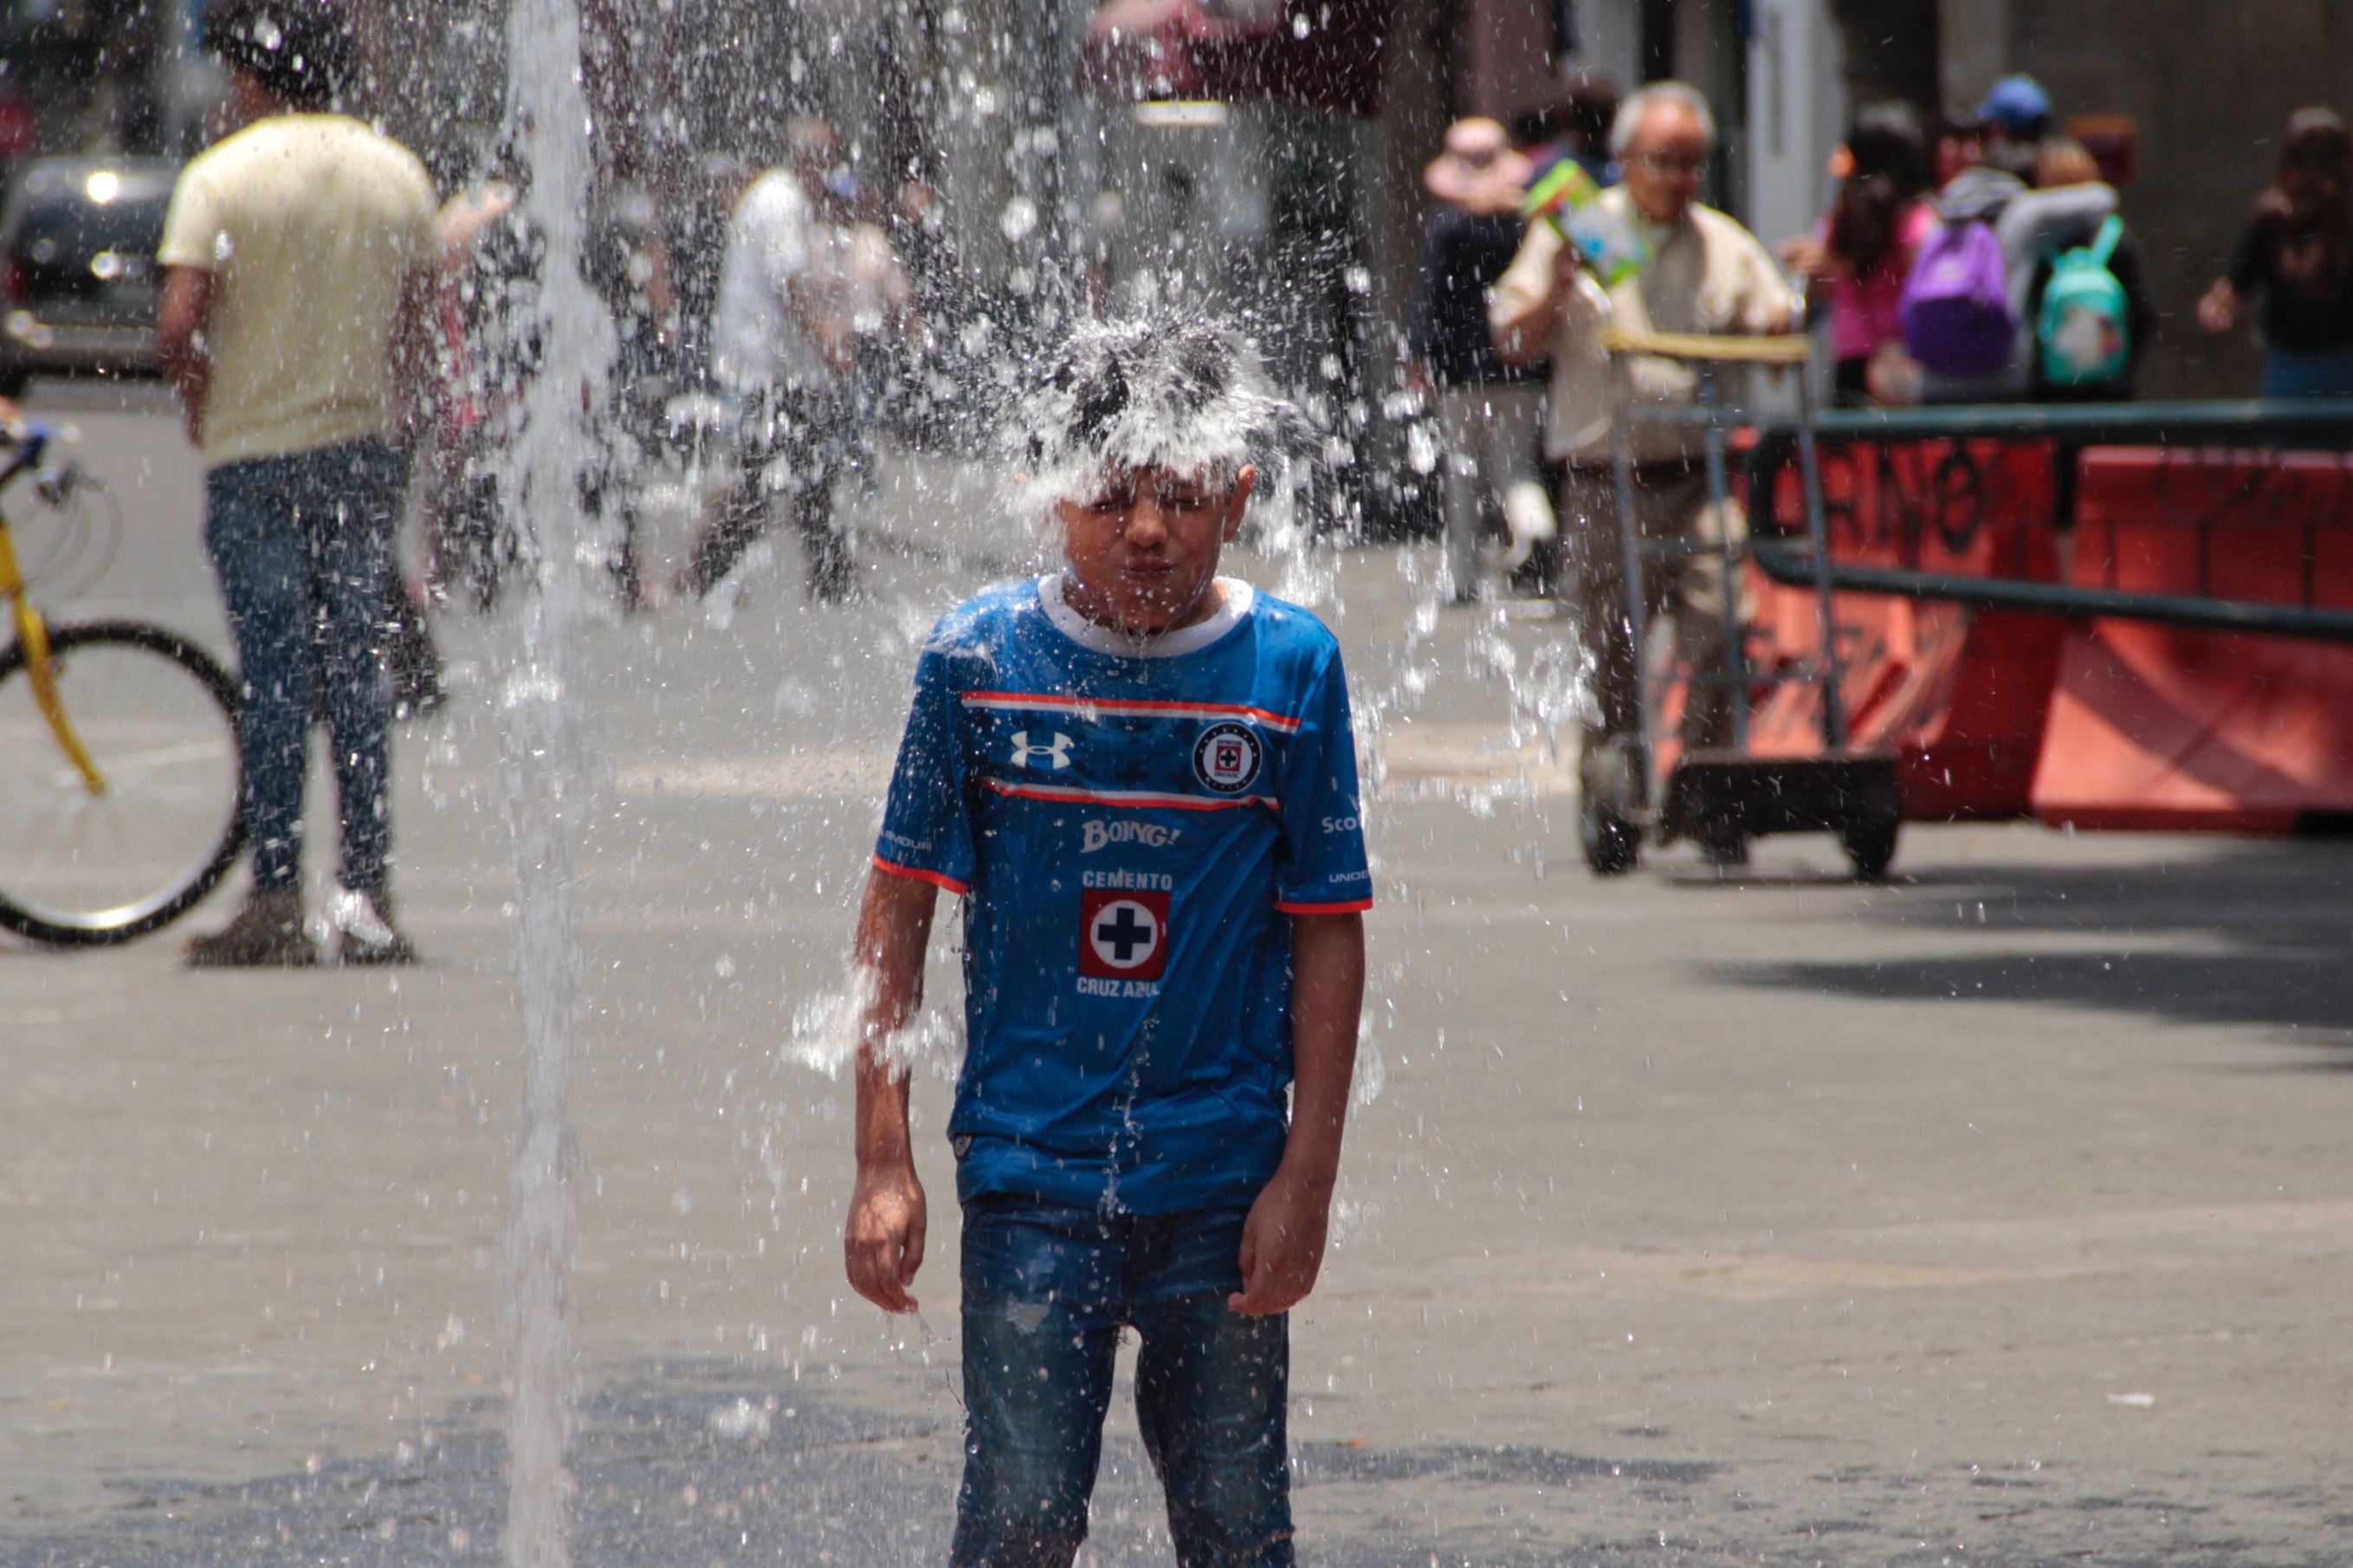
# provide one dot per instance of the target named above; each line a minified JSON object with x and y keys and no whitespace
{"x":1956,"y":306}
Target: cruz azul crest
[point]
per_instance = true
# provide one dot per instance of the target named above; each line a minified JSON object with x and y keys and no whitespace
{"x":1226,"y":757}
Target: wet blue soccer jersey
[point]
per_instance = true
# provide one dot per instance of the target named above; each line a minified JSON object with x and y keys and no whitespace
{"x":1131,"y":833}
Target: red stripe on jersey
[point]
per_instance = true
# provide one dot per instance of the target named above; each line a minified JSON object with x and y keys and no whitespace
{"x":1139,"y":710}
{"x":1353,"y":907}
{"x":1139,"y":798}
{"x":917,"y":874}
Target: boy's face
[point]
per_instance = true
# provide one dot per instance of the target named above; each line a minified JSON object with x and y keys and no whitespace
{"x":1142,"y":549}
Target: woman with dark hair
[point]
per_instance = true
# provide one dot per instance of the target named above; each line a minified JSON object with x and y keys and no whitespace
{"x":2299,"y":250}
{"x":1864,"y":249}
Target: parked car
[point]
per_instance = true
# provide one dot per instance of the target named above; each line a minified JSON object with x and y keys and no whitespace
{"x":81,"y":287}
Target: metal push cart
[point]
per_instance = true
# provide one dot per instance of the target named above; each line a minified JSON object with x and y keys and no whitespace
{"x":1724,"y":797}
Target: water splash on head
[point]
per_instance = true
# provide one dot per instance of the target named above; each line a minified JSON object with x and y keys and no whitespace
{"x":1167,"y":390}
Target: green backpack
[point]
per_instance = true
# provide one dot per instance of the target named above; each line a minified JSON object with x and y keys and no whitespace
{"x":2081,"y":333}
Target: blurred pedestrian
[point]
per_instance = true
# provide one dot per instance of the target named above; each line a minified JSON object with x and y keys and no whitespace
{"x":1960,"y":146}
{"x":480,"y":241}
{"x":2015,"y":118}
{"x":2297,"y":253}
{"x":931,"y":369}
{"x":1576,"y":124}
{"x":2035,"y":207}
{"x":1966,"y":183}
{"x":627,"y":264}
{"x":295,"y":326}
{"x":2087,"y":302}
{"x":1488,"y":411}
{"x":807,"y":290}
{"x":697,"y":225}
{"x":1707,"y":274}
{"x":1986,"y":158}
{"x":1863,"y":251}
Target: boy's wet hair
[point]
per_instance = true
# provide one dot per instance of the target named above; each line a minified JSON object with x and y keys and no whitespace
{"x":1183,"y":395}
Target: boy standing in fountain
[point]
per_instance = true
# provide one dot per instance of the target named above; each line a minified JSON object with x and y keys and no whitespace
{"x":1140,"y":777}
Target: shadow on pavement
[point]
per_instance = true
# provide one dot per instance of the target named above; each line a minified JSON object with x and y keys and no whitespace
{"x":699,"y":1463}
{"x":2253,"y":934}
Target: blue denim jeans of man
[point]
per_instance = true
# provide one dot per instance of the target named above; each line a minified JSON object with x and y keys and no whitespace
{"x":2312,"y":373}
{"x":1047,"y":1290}
{"x":302,"y":546}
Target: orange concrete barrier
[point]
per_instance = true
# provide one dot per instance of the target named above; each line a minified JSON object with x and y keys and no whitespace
{"x":2156,"y":727}
{"x":1959,"y":695}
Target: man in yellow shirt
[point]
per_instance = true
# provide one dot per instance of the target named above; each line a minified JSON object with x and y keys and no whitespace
{"x":294,"y":327}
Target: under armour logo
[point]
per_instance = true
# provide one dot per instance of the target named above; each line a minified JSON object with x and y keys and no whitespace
{"x":1057,"y":753}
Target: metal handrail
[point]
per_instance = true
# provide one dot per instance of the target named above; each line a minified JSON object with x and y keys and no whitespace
{"x":2229,"y":421}
{"x":1795,"y":567}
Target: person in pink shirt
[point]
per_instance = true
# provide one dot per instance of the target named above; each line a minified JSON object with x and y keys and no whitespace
{"x":1858,"y":259}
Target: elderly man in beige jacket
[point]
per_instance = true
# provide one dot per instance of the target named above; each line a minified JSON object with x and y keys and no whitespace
{"x":1708,"y":275}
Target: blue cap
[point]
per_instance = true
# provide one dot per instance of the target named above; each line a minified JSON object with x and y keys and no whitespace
{"x":2020,"y":103}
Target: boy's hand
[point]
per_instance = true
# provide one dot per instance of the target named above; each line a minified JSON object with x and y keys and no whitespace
{"x":1282,"y":1245}
{"x":1282,"y":1240}
{"x":884,"y":1243}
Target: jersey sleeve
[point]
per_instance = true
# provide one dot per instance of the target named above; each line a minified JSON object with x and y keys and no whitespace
{"x":1324,"y":870}
{"x":927,"y":826}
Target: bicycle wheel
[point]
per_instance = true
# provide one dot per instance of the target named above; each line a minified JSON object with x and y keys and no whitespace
{"x":158,"y":716}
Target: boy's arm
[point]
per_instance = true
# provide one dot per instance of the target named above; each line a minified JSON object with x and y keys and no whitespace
{"x":883,"y":1243}
{"x":1283,"y":1243}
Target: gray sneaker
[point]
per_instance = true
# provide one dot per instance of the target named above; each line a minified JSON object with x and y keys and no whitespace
{"x":267,"y":934}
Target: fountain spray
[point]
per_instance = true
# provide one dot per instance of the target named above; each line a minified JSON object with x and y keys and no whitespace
{"x":557,"y":328}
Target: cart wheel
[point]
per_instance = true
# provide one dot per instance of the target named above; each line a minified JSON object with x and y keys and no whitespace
{"x":1869,"y":837}
{"x":1612,"y":844}
{"x":1724,"y":849}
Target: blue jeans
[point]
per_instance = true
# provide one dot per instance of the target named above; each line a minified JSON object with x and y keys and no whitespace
{"x":2318,"y":373}
{"x":1046,"y":1290}
{"x":302,"y":546}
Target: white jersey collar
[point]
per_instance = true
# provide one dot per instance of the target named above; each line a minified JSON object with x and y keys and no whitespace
{"x":1235,"y":597}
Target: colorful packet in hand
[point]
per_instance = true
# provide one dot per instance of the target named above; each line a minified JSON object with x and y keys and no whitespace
{"x":1567,"y":198}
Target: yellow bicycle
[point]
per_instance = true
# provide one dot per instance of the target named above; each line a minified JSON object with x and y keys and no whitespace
{"x":120,"y":781}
